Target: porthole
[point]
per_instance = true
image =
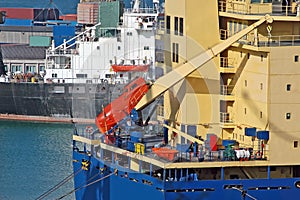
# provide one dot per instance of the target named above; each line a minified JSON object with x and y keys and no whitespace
{"x":297,"y":184}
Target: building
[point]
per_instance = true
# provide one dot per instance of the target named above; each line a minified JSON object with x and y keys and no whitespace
{"x":252,"y":84}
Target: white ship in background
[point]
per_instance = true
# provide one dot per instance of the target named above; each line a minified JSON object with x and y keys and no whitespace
{"x":129,"y":45}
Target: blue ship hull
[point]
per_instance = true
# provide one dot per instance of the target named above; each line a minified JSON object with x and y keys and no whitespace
{"x":100,"y":182}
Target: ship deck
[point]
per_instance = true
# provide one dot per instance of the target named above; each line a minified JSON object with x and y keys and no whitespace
{"x":181,"y":160}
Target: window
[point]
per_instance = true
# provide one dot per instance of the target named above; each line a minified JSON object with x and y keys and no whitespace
{"x":288,"y":115}
{"x":261,"y":86}
{"x":129,"y":33}
{"x":288,"y":87}
{"x":295,"y":144}
{"x":261,"y":114}
{"x":30,"y":68}
{"x":119,"y":48}
{"x":168,"y":24}
{"x":81,"y":75}
{"x":181,"y":26}
{"x":261,"y":58}
{"x":176,"y":25}
{"x":5,"y":68}
{"x":108,"y":75}
{"x":246,"y":83}
{"x":15,"y":68}
{"x":146,"y":48}
{"x":98,"y":47}
{"x":296,"y":58}
{"x":41,"y":68}
{"x":245,"y":111}
{"x":175,"y":47}
{"x":54,"y":75}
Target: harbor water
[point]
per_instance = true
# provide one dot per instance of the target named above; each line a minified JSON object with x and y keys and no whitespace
{"x":34,"y":158}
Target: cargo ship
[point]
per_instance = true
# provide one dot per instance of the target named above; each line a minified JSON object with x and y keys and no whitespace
{"x":67,"y":73}
{"x":228,"y":126}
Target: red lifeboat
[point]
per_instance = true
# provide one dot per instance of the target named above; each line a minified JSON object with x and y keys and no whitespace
{"x":122,"y":106}
{"x":130,"y":68}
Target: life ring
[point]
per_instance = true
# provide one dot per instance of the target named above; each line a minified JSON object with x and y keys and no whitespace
{"x":89,"y":129}
{"x":258,"y":154}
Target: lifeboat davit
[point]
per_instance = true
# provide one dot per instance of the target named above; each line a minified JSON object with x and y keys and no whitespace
{"x":122,"y":106}
{"x":130,"y":68}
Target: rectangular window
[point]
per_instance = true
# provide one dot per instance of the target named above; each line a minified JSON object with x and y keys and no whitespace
{"x":30,"y":68}
{"x":295,"y":144}
{"x":288,"y":115}
{"x":81,"y":75}
{"x":261,"y":86}
{"x":245,"y":111}
{"x":175,"y":52}
{"x":296,"y":59}
{"x":176,"y":25}
{"x":5,"y":68}
{"x":146,"y":48}
{"x":261,"y":114}
{"x":181,"y":26}
{"x":288,"y":87}
{"x":168,"y":24}
{"x":246,"y":83}
{"x":41,"y":68}
{"x":16,"y":68}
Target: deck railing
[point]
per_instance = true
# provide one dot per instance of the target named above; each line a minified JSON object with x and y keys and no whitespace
{"x":264,"y":41}
{"x":226,"y":89}
{"x":225,"y":117}
{"x":239,"y":7}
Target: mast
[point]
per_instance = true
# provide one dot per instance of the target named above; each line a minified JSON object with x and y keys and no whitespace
{"x":2,"y":68}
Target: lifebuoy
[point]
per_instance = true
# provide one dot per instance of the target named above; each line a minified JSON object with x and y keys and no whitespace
{"x":258,"y":154}
{"x":89,"y":129}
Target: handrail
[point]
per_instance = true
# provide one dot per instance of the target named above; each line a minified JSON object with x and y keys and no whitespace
{"x":239,"y":7}
{"x":77,"y":36}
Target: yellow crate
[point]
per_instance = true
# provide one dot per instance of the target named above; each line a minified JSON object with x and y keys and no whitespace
{"x":139,"y":148}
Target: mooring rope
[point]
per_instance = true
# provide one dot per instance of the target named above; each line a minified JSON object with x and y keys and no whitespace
{"x":57,"y":186}
{"x":80,"y":187}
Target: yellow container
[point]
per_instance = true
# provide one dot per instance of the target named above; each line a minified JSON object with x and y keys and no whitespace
{"x":139,"y":148}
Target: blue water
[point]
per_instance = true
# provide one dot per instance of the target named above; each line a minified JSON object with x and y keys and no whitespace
{"x":34,"y":158}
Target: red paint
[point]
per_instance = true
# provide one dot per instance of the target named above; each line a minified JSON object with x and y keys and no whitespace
{"x":122,"y":106}
{"x":69,"y":17}
{"x":127,"y":68}
{"x":37,"y":14}
{"x":165,"y":153}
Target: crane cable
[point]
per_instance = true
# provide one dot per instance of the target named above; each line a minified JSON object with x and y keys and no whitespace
{"x":80,"y":187}
{"x":57,"y":186}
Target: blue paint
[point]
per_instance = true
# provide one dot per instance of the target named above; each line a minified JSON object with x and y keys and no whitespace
{"x":166,"y":132}
{"x":263,"y":135}
{"x":132,"y":187}
{"x":250,"y":132}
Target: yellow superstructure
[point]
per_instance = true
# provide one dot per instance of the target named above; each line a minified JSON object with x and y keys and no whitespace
{"x":253,"y":83}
